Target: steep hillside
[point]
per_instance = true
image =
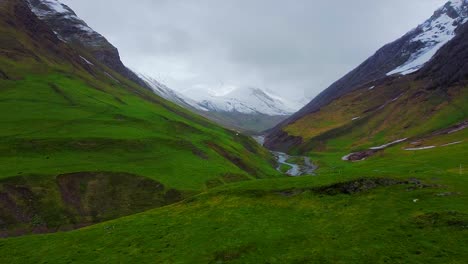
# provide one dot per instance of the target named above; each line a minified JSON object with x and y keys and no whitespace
{"x":405,"y":55}
{"x":380,"y":101}
{"x":74,"y":31}
{"x":81,"y":143}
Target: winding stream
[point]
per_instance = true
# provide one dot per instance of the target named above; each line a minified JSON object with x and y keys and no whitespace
{"x":296,"y":170}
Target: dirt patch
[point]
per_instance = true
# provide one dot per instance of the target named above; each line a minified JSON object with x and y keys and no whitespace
{"x":103,"y":195}
{"x":362,"y":155}
{"x":31,"y":205}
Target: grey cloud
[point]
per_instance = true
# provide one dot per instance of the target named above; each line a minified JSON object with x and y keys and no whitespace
{"x":295,"y":48}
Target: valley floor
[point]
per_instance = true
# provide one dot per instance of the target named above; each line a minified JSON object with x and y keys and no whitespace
{"x":398,"y":207}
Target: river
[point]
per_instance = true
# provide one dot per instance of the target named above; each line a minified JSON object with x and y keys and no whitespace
{"x":305,"y":168}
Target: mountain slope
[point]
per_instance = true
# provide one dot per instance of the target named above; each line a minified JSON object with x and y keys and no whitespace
{"x":365,"y":96}
{"x":406,"y":54}
{"x":82,"y":144}
{"x":169,"y":94}
{"x":71,"y":29}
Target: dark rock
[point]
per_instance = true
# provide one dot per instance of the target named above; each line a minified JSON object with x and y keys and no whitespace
{"x":362,"y":155}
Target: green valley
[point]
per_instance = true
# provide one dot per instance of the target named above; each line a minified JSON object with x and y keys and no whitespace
{"x":95,"y":167}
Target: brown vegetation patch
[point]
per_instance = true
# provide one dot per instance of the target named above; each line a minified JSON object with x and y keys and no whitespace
{"x":45,"y":204}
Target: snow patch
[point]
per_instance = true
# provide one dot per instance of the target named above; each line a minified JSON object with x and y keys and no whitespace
{"x":87,"y":61}
{"x":112,"y":77}
{"x":169,"y":94}
{"x":346,"y":158}
{"x":50,"y":7}
{"x":371,"y":88}
{"x":396,"y":98}
{"x":86,"y":29}
{"x":421,"y":148}
{"x":453,"y":143}
{"x":356,"y":118}
{"x":55,"y":6}
{"x":389,"y":144}
{"x":435,"y":33}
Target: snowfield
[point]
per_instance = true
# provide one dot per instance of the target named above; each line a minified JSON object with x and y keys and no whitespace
{"x":435,"y":33}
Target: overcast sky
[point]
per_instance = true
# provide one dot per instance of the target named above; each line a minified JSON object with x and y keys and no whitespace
{"x":294,"y":48}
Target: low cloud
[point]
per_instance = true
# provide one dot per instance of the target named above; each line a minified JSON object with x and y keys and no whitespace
{"x":293,"y":48}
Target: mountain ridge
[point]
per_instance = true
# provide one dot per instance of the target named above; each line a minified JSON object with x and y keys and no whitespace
{"x":246,"y":109}
{"x":375,"y":68}
{"x":73,"y":30}
{"x":374,"y":71}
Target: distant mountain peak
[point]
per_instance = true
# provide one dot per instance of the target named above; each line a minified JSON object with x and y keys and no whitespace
{"x":249,"y":100}
{"x":243,"y":108}
{"x":243,"y":100}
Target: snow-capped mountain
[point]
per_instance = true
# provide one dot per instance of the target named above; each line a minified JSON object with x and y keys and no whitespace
{"x":71,"y":29}
{"x":248,"y":100}
{"x":431,"y":57}
{"x":241,"y":100}
{"x":249,"y":109}
{"x":403,"y":56}
{"x":432,"y":35}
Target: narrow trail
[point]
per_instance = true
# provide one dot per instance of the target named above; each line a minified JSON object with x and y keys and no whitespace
{"x":305,"y":167}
